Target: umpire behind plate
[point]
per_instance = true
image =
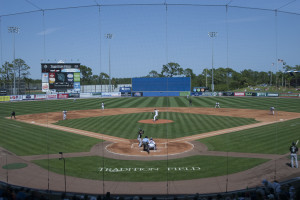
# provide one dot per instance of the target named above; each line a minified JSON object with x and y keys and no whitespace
{"x":146,"y":144}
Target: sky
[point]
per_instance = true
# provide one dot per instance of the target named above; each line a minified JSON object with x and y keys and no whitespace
{"x":147,"y":34}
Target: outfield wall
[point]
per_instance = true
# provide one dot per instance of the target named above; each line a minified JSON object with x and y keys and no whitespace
{"x":143,"y":94}
{"x":162,"y":86}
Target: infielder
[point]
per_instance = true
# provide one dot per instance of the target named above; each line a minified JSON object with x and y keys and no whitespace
{"x":102,"y":106}
{"x":294,"y":150}
{"x":155,"y":114}
{"x":140,"y":133}
{"x":64,"y":115}
{"x":272,"y":110}
{"x":13,"y":114}
{"x":217,"y":105}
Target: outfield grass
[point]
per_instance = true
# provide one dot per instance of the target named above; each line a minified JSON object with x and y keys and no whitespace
{"x":126,"y":125}
{"x":269,"y":139}
{"x":194,"y":167}
{"x":30,"y":107}
{"x":27,"y":139}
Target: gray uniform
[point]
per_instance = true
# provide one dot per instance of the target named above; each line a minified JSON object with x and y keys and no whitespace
{"x":140,"y":133}
{"x":294,"y":150}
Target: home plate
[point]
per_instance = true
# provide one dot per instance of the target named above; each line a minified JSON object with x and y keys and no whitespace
{"x":33,"y":122}
{"x":281,"y":119}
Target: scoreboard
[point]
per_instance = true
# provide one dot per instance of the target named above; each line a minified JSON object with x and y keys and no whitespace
{"x":60,"y":77}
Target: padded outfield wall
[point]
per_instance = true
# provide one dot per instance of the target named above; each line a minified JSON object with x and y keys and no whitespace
{"x":163,"y":86}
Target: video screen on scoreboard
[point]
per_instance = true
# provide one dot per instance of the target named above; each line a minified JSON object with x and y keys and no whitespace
{"x":60,"y":76}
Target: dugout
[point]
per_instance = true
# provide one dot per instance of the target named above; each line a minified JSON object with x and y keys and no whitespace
{"x":162,"y":86}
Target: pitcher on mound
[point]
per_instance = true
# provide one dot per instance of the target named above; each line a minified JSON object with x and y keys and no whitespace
{"x":155,"y":115}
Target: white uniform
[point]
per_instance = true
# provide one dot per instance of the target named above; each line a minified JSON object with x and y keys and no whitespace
{"x":102,"y":105}
{"x":152,"y":144}
{"x":217,"y":105}
{"x":64,"y":115}
{"x":155,"y":114}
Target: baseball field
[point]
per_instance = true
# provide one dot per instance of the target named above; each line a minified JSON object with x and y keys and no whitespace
{"x":198,"y":145}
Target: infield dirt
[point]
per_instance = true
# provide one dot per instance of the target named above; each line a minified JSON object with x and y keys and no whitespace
{"x":120,"y":148}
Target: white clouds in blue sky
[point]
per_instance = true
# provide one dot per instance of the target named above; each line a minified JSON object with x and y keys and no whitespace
{"x":145,"y":37}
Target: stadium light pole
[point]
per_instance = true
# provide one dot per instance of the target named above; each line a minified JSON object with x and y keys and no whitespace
{"x":109,"y":36}
{"x":14,"y":30}
{"x":212,"y":35}
{"x":62,"y":158}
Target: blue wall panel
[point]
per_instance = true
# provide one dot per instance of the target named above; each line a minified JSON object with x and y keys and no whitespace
{"x":161,"y":84}
{"x":161,"y":94}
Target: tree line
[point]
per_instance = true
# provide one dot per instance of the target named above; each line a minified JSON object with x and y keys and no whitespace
{"x":225,"y":79}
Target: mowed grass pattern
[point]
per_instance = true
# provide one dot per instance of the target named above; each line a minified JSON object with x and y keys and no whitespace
{"x":45,"y":106}
{"x":269,"y":139}
{"x":159,"y":170}
{"x":26,"y":139}
{"x":184,"y":124}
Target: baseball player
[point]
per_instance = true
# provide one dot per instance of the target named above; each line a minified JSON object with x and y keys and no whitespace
{"x":102,"y":106}
{"x":155,"y":114}
{"x":294,"y":150}
{"x":13,"y":114}
{"x":152,"y":144}
{"x":272,"y":110}
{"x":64,"y":115}
{"x":190,"y":101}
{"x":145,"y":144}
{"x":217,"y":105}
{"x":140,"y":133}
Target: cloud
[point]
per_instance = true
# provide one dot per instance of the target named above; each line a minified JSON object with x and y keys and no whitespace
{"x":48,"y":31}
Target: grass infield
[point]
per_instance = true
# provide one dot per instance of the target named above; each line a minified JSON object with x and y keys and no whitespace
{"x":126,"y":125}
{"x":27,"y":139}
{"x":188,"y":168}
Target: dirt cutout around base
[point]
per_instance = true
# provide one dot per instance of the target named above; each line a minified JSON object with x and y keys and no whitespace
{"x":163,"y":147}
{"x":159,"y":121}
{"x":129,"y":147}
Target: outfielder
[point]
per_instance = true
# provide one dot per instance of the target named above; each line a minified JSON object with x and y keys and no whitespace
{"x":294,"y":150}
{"x":64,"y":115}
{"x":102,"y":105}
{"x":140,"y":133}
{"x":217,"y":105}
{"x":155,"y":114}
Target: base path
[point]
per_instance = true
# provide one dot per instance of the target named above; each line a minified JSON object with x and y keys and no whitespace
{"x":129,"y":147}
{"x":118,"y":148}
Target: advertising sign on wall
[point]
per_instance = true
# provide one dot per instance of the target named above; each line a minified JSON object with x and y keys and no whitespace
{"x":62,"y":96}
{"x":40,"y":96}
{"x":51,"y":96}
{"x":272,"y":94}
{"x":28,"y":97}
{"x":239,"y":94}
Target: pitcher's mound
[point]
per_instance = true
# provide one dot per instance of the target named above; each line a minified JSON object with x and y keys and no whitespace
{"x":159,"y":121}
